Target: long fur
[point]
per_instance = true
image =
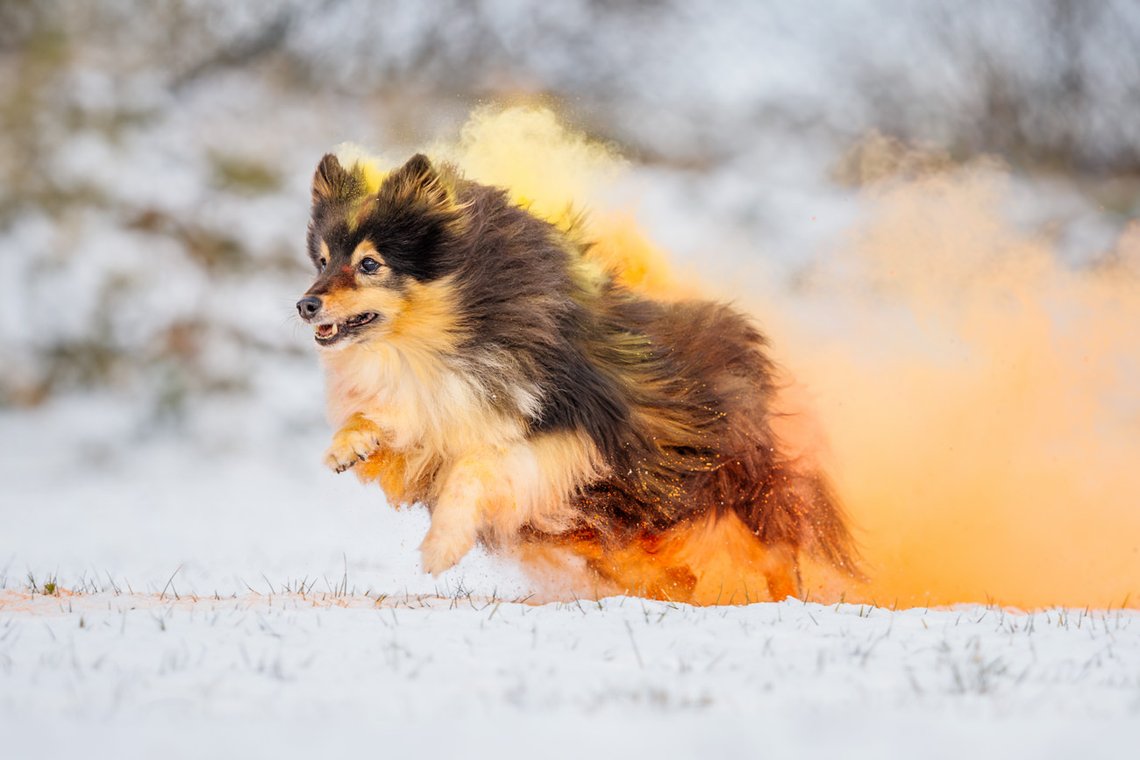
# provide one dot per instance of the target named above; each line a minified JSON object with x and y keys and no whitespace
{"x":534,"y":405}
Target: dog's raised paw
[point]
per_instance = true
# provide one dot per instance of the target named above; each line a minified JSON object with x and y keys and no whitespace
{"x":351,"y":445}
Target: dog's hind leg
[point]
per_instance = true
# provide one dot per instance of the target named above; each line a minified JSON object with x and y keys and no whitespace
{"x":782,"y":571}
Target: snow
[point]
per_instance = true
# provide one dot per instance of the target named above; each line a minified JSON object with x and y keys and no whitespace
{"x":233,"y":598}
{"x":471,"y":673}
{"x":289,"y":675}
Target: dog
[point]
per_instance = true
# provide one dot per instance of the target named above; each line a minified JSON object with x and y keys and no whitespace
{"x":480,"y":363}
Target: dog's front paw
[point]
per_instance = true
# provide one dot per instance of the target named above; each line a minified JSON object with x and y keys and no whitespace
{"x":353,"y":443}
{"x":441,"y":549}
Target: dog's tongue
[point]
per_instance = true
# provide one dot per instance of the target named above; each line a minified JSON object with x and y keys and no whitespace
{"x":326,"y":331}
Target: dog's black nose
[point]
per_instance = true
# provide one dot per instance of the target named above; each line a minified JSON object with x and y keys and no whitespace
{"x":308,"y":307}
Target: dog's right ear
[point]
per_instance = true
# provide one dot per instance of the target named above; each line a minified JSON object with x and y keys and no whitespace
{"x":417,"y":181}
{"x":332,"y":182}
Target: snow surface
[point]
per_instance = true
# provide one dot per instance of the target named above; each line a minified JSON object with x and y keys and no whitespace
{"x":290,"y":676}
{"x":237,"y":600}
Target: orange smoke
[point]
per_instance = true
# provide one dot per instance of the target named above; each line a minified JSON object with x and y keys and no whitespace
{"x":710,"y":561}
{"x":975,"y":399}
{"x":981,"y":401}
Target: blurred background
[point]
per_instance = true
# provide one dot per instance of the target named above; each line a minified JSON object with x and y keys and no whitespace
{"x":155,"y":159}
{"x":155,"y":155}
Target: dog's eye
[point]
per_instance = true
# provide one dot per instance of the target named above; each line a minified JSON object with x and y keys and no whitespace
{"x":369,"y":265}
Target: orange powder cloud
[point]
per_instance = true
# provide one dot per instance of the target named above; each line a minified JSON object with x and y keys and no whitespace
{"x":982,"y":403}
{"x":979,"y":408}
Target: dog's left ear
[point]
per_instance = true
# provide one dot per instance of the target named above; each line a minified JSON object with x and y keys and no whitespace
{"x":419,"y":182}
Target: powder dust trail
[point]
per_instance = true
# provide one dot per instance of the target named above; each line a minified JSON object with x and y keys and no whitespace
{"x":979,"y":408}
{"x":982,"y":405}
{"x":558,"y":174}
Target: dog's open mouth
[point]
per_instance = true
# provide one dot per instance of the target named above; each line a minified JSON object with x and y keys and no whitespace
{"x":328,"y":333}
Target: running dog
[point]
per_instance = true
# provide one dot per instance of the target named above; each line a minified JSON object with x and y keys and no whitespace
{"x":480,"y":363}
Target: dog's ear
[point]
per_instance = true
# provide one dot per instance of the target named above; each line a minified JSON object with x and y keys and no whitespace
{"x":418,"y":182}
{"x":332,"y":182}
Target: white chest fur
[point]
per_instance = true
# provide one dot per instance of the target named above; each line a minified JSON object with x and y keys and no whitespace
{"x":417,"y":399}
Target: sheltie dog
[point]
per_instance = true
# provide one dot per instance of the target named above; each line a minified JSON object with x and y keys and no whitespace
{"x":479,"y":363}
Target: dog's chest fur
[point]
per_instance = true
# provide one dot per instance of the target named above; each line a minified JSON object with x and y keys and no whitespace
{"x":431,"y":411}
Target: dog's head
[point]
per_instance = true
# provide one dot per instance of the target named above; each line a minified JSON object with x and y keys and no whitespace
{"x":375,"y":251}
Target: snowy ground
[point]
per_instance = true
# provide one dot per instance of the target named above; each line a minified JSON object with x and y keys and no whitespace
{"x":293,"y":676}
{"x":236,"y":600}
